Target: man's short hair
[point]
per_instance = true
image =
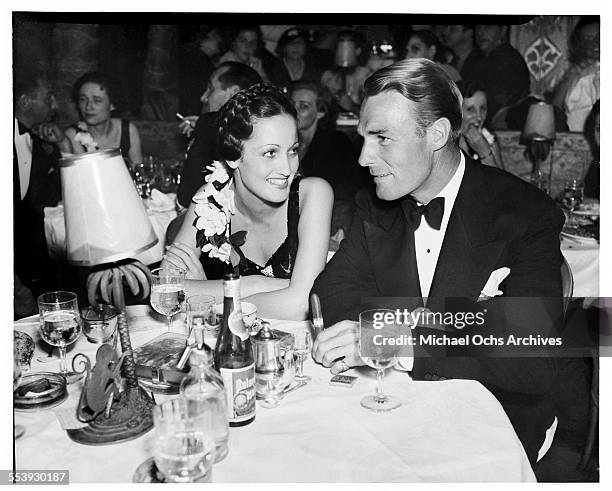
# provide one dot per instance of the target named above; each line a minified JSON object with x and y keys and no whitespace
{"x":238,"y":74}
{"x":426,"y":84}
{"x":28,"y":85}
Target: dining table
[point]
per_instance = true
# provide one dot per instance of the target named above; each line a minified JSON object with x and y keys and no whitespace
{"x":444,"y":431}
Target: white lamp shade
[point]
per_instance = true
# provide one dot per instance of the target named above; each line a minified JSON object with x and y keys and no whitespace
{"x":540,"y":122}
{"x":106,"y":220}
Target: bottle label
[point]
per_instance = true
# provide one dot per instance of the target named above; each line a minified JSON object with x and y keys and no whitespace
{"x":231,"y":289}
{"x":239,"y":392}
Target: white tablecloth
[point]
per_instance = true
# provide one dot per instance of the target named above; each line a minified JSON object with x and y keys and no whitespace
{"x":452,"y":431}
{"x":161,"y":212}
{"x":583,"y":260}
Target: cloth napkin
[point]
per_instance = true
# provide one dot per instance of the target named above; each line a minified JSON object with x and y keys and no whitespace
{"x":159,"y":201}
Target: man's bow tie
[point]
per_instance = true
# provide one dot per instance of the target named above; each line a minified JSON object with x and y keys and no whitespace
{"x":432,"y":211}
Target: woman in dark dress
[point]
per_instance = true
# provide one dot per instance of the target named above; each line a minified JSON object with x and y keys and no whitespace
{"x":96,"y":97}
{"x":294,"y":62}
{"x":286,"y":219}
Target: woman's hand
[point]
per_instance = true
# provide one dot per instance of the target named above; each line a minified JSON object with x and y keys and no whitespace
{"x":182,"y":256}
{"x":477,"y":141}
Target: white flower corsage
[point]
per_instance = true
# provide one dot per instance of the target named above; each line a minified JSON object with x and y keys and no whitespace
{"x":214,"y":208}
{"x":83,"y":136}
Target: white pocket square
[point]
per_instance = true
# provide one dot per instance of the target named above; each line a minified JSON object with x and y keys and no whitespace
{"x":491,"y":288}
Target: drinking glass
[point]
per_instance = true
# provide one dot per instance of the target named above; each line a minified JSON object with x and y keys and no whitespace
{"x":273,"y":392}
{"x":572,"y":197}
{"x":168,"y":292}
{"x":143,"y":177}
{"x":183,"y":446}
{"x":200,"y":313}
{"x":378,"y":356}
{"x":302,"y":346}
{"x":60,"y":324}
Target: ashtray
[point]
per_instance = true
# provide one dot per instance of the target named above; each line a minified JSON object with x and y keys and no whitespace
{"x":24,"y":345}
{"x":99,"y":323}
{"x":38,"y":391}
{"x":148,"y":473}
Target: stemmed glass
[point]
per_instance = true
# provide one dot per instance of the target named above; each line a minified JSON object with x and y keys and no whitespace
{"x":377,"y":355}
{"x":302,"y":346}
{"x":168,"y":292}
{"x":572,"y":197}
{"x":60,"y":325}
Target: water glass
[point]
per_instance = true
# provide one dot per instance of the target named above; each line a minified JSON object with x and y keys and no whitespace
{"x":379,"y":356}
{"x":168,"y":292}
{"x":201,"y":315}
{"x":572,"y":197}
{"x":60,"y":323}
{"x":302,"y":346}
{"x":183,"y":446}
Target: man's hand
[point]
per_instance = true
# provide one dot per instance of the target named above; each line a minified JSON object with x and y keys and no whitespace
{"x":184,"y":257}
{"x":338,"y":347}
{"x":187,"y":125}
{"x":49,"y":132}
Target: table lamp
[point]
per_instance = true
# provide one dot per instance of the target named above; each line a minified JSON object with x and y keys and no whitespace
{"x":106,"y":225}
{"x":539,"y":133}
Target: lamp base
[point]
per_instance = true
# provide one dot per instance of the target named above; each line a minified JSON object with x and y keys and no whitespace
{"x":130,"y":417}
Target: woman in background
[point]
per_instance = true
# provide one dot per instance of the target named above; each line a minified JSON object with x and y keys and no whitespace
{"x":243,"y":49}
{"x":95,"y":94}
{"x":425,"y":44}
{"x":475,"y":140}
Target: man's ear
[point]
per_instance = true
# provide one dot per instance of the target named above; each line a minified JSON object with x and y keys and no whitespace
{"x":439,"y":132}
{"x":320,"y":115}
{"x":232,"y":90}
{"x":24,"y":102}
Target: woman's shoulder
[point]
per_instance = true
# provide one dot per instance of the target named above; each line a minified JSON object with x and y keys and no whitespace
{"x":315,"y":189}
{"x":70,"y":132}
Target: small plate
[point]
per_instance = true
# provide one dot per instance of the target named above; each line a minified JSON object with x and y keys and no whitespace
{"x":49,"y":390}
{"x":24,"y":345}
{"x":579,"y":238}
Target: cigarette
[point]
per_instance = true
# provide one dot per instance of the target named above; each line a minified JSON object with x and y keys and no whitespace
{"x":183,"y":118}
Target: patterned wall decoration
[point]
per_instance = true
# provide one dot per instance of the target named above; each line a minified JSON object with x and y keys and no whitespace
{"x":543,"y":44}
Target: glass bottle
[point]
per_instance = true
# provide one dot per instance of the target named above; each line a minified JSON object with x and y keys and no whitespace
{"x":203,"y":389}
{"x":234,"y":357}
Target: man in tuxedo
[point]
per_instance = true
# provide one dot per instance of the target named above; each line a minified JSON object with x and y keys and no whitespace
{"x":36,"y":184}
{"x":437,"y":227}
{"x":228,"y":78}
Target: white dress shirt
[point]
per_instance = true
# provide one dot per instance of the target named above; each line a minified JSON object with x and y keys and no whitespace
{"x":427,"y":240}
{"x":23,"y":148}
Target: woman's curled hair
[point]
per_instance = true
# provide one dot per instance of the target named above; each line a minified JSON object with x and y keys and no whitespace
{"x":237,"y":116}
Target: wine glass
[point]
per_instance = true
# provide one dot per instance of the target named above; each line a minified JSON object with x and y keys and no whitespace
{"x":572,"y":197}
{"x":60,"y":325}
{"x":378,"y":355}
{"x":168,"y":292}
{"x":302,"y":346}
{"x":183,"y":446}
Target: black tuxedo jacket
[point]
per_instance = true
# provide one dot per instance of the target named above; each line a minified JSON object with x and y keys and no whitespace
{"x":32,"y":263}
{"x":200,"y":154}
{"x":497,"y":221}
